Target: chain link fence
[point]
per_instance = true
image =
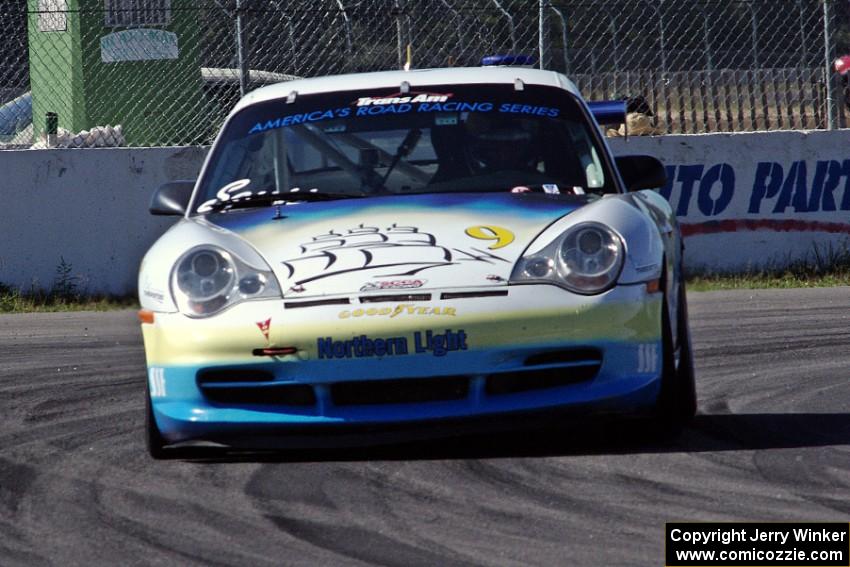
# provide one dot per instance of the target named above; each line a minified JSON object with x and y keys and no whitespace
{"x":168,"y":71}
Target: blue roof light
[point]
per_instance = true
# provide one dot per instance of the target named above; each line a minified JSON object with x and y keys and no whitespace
{"x":608,"y":112}
{"x":508,"y":60}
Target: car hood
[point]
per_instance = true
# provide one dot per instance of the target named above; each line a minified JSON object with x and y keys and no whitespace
{"x":387,"y":244}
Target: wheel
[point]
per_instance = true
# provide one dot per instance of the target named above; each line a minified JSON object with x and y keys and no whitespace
{"x":153,"y":438}
{"x":677,"y":401}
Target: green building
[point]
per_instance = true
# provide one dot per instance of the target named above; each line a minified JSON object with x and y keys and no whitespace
{"x":129,"y":62}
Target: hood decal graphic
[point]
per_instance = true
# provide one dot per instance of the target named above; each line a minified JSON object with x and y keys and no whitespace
{"x":369,"y":248}
{"x":444,"y":241}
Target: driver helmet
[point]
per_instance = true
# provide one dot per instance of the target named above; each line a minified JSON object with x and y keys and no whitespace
{"x":500,"y":143}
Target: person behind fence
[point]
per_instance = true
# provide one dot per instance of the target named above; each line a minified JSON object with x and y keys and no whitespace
{"x":639,"y":118}
{"x":842,"y":67}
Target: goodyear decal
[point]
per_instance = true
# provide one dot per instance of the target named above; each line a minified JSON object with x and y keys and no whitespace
{"x":401,"y":309}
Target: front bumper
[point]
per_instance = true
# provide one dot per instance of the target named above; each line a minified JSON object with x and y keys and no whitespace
{"x":395,"y":362}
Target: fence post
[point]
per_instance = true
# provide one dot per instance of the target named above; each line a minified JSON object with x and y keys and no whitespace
{"x":541,"y":32}
{"x":755,"y":34}
{"x":349,"y":45}
{"x":612,"y":20}
{"x":241,"y":58}
{"x":804,"y":53}
{"x":706,"y":40}
{"x":831,"y":107}
{"x":511,"y":25}
{"x":662,"y":43}
{"x":564,"y":38}
{"x":399,"y":27}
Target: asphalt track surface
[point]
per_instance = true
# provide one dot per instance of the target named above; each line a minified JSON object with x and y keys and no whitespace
{"x":771,"y":442}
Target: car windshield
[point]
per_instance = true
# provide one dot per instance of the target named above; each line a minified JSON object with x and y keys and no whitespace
{"x":451,"y":138}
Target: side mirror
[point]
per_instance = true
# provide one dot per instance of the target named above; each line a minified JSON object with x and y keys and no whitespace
{"x":172,"y":198}
{"x":641,"y":172}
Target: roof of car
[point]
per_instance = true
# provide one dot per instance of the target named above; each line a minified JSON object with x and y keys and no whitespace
{"x":416,"y":78}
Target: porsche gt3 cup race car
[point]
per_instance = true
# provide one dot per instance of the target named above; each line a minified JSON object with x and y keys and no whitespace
{"x":368,"y":252}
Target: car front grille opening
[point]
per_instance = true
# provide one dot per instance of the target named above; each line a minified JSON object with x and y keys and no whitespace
{"x":406,"y":391}
{"x":218,"y":375}
{"x":528,"y":380}
{"x":473,"y":294}
{"x":316,"y":303}
{"x":395,"y":297}
{"x":574,"y":355}
{"x":277,"y":395}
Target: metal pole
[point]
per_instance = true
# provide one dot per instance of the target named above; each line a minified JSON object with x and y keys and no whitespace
{"x":563,"y":38}
{"x":613,"y":20}
{"x":664,"y":92}
{"x":541,"y":33}
{"x":347,"y":21}
{"x":661,"y":36}
{"x":510,"y":19}
{"x":803,"y":51}
{"x":290,"y":32}
{"x":831,"y":108}
{"x":755,"y":34}
{"x":459,"y":23}
{"x":706,"y":40}
{"x":399,"y":32}
{"x":241,"y":59}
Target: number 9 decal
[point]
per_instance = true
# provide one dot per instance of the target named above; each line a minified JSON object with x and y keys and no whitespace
{"x":502,"y":236}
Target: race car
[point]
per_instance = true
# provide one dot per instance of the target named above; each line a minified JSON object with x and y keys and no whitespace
{"x":374,"y":253}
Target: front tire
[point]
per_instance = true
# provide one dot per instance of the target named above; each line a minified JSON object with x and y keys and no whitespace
{"x":677,"y":401}
{"x":154,"y":442}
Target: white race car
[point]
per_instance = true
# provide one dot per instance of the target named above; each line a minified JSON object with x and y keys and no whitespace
{"x":375,"y":252}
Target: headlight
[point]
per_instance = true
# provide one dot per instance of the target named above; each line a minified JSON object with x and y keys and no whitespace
{"x":207,"y":279}
{"x":586,"y":259}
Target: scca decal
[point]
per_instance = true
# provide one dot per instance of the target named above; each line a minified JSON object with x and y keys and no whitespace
{"x":437,"y":344}
{"x":393,"y":284}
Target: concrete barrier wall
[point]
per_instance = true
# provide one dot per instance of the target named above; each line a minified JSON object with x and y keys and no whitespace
{"x":744,"y":200}
{"x":755,"y":200}
{"x":86,"y":207}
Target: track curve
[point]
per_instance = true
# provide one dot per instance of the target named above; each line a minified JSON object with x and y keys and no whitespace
{"x":771,"y":442}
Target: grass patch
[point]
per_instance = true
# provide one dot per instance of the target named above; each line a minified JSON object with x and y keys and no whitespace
{"x":824,"y":266}
{"x":16,"y":301}
{"x":67,"y":294}
{"x":765,"y":280}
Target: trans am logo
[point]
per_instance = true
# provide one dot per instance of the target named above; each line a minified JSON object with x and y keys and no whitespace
{"x":400,"y":98}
